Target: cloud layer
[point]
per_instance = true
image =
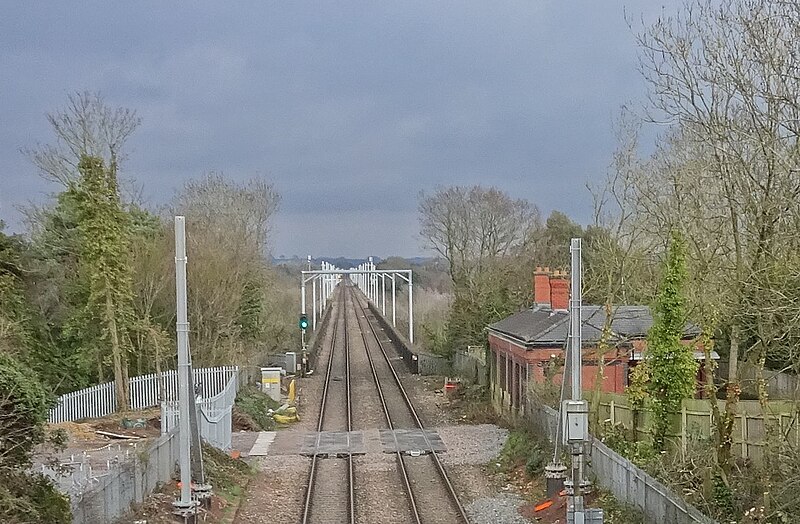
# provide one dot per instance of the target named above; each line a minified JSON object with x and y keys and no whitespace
{"x":350,"y":108}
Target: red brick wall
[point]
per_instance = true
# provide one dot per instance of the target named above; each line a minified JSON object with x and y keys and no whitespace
{"x":615,"y":371}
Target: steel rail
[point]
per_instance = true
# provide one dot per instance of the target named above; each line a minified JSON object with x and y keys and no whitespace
{"x":351,"y":475}
{"x":398,"y":454}
{"x":309,"y":495}
{"x":439,"y":466}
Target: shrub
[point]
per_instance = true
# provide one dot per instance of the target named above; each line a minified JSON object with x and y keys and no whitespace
{"x":254,"y":404}
{"x":24,"y":404}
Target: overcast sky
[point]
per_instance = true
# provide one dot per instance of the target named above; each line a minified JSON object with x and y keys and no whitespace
{"x":349,"y":108}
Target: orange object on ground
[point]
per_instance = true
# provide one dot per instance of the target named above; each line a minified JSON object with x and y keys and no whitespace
{"x":235,"y":453}
{"x":544,"y":505}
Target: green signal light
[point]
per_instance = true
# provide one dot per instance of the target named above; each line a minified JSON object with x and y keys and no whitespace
{"x":303,"y":322}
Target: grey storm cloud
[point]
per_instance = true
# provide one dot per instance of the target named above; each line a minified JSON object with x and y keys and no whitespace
{"x":350,"y":108}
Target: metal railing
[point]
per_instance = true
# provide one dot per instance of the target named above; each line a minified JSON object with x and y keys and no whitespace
{"x":214,"y":415}
{"x":626,"y":481}
{"x":146,"y":391}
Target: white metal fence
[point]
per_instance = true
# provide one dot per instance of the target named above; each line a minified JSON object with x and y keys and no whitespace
{"x":214,"y":415}
{"x":146,"y":391}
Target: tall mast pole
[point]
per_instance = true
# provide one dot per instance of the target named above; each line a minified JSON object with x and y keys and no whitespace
{"x":184,"y":507}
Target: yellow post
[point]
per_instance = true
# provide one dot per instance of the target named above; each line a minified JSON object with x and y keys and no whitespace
{"x":291,"y":392}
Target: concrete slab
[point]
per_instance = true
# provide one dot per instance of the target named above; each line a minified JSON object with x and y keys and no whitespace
{"x":411,"y":441}
{"x":261,"y":446}
{"x":333,"y":443}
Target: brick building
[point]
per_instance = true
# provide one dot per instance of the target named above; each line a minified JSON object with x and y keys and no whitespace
{"x":525,"y":345}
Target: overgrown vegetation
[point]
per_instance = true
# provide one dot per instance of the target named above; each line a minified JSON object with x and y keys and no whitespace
{"x":87,"y":293}
{"x":24,"y":403}
{"x":93,"y":286}
{"x":522,"y":450}
{"x":668,"y":374}
{"x":227,"y":475}
{"x":491,"y":242}
{"x":251,"y":409}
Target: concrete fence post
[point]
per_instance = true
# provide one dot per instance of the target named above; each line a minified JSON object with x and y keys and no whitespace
{"x":745,"y":450}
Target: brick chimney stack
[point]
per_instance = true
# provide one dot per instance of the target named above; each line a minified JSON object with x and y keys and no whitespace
{"x":541,"y":286}
{"x":559,"y":291}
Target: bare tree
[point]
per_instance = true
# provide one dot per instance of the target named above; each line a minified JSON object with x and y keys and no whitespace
{"x":471,"y":226}
{"x":228,"y":234}
{"x":724,"y":76}
{"x":86,"y":126}
{"x":480,"y":232}
{"x":620,"y":256}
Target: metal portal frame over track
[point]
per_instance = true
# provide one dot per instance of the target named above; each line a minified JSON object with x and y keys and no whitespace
{"x":367,"y":282}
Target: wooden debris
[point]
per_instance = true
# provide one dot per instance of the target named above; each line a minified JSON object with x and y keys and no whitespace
{"x":117,"y":435}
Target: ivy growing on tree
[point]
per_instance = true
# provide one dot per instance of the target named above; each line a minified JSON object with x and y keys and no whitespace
{"x":105,"y":232}
{"x":669,"y":365}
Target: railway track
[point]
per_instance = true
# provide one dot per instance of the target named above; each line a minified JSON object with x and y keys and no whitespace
{"x":428,"y":488}
{"x":325,"y":491}
{"x":412,"y":488}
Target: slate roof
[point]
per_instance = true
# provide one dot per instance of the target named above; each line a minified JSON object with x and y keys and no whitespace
{"x":542,"y":326}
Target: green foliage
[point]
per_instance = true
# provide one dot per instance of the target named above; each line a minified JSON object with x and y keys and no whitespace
{"x":104,"y":256}
{"x":615,"y":512}
{"x":522,"y":449}
{"x":670,"y":366}
{"x":618,"y":438}
{"x":255,"y":404}
{"x":435,"y":338}
{"x":722,"y":497}
{"x":251,"y":311}
{"x":226,"y":474}
{"x":535,"y":463}
{"x":31,"y":498}
{"x":24,"y":405}
{"x":553,"y":243}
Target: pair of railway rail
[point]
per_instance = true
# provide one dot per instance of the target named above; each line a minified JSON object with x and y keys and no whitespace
{"x":409,"y":469}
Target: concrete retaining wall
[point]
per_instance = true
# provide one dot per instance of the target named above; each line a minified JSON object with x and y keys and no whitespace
{"x":404,"y":347}
{"x":128,"y":483}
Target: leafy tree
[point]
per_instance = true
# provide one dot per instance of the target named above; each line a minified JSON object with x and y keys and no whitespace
{"x":552,"y":241}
